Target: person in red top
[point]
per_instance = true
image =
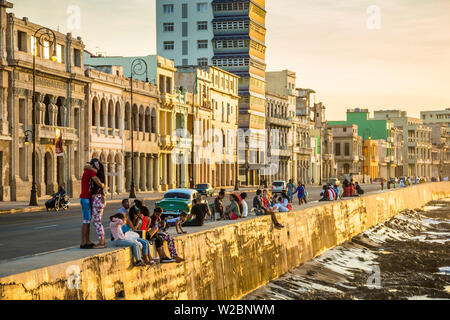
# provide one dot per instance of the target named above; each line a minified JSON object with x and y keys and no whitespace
{"x":90,"y":173}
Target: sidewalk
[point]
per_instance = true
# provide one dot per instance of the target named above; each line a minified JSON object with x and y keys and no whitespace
{"x":10,"y":207}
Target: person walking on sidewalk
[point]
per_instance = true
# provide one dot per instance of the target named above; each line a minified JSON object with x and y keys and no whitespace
{"x":98,"y":203}
{"x":90,"y":173}
{"x":382,"y":184}
{"x":290,"y":190}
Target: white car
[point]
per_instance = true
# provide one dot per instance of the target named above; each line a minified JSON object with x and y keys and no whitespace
{"x":278,"y":186}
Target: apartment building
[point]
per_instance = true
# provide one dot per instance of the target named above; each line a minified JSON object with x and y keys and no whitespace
{"x":184,"y":31}
{"x":348,"y":151}
{"x":439,"y":116}
{"x":417,"y":142}
{"x":216,"y":119}
{"x":229,"y":35}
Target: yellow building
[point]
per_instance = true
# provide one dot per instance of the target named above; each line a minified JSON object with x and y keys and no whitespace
{"x":370,"y":151}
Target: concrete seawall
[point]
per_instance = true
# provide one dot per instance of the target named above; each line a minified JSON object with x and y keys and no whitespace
{"x":226,"y":262}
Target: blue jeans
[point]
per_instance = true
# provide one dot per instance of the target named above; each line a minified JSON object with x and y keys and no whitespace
{"x":86,"y":209}
{"x":128,"y":243}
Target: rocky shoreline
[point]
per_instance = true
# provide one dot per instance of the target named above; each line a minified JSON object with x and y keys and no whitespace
{"x":407,"y":257}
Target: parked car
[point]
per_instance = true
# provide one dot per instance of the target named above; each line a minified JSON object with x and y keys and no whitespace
{"x":334,"y":182}
{"x":422,"y":180}
{"x":177,"y":200}
{"x":205,"y":188}
{"x":278,"y":186}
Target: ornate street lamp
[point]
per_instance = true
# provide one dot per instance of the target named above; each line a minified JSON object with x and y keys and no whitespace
{"x":138,"y":68}
{"x":47,"y":39}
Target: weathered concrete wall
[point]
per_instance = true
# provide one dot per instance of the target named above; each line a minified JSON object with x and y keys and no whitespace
{"x":226,"y":262}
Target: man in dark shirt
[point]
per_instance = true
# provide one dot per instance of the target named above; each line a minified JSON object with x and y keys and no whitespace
{"x":218,"y":204}
{"x":199,"y":211}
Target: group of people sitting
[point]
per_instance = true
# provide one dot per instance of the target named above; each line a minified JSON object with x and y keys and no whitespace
{"x":237,"y":208}
{"x":332,"y":192}
{"x":135,"y":227}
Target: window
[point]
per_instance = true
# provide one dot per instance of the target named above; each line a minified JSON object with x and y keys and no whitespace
{"x":168,"y":27}
{"x":22,"y":41}
{"x":184,"y":29}
{"x":337,"y":149}
{"x":202,"y":44}
{"x":184,"y":50}
{"x":347,"y":149}
{"x":184,"y":11}
{"x":168,"y":8}
{"x":169,"y":45}
{"x":202,"y":62}
{"x":60,"y":53}
{"x":202,"y":7}
{"x":202,"y":25}
{"x":77,"y":57}
{"x":22,"y":111}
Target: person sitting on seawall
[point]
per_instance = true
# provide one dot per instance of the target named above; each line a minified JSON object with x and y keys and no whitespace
{"x":232,"y":211}
{"x":151,"y":234}
{"x":218,"y":205}
{"x":115,"y":225}
{"x":243,"y":196}
{"x":280,"y":205}
{"x":125,"y":206}
{"x":159,"y":225}
{"x":138,"y":223}
{"x":259,"y":209}
{"x":177,"y":222}
{"x":199,"y":211}
{"x":327,"y":194}
{"x":358,"y":188}
{"x":337,"y":192}
{"x":285,"y":201}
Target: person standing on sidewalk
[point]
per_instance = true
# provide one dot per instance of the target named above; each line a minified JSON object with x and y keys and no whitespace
{"x":290,"y":190}
{"x":382,"y":184}
{"x":98,"y":203}
{"x":90,"y":173}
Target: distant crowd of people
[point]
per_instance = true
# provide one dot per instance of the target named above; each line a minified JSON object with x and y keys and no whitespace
{"x":331,"y":192}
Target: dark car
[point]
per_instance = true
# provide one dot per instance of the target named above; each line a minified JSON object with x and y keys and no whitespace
{"x":205,"y":189}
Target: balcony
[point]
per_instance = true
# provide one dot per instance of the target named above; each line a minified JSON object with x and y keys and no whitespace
{"x":166,"y":100}
{"x":49,"y":132}
{"x":284,"y":122}
{"x":166,"y":142}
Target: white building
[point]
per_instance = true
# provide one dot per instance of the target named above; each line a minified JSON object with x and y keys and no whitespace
{"x":184,"y":31}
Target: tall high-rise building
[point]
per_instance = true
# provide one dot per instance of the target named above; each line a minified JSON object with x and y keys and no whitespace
{"x":229,"y":35}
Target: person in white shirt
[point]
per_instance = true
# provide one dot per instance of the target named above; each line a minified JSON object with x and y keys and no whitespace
{"x":125,"y":207}
{"x":243,"y":196}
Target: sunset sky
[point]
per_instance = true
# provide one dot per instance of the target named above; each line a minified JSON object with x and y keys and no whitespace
{"x":403,"y":65}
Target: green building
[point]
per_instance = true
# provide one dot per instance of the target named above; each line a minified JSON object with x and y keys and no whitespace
{"x":371,"y":129}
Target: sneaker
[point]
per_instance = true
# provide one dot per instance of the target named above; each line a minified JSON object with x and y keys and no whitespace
{"x":167,"y":260}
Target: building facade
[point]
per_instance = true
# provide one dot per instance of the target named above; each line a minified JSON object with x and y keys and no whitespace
{"x":417,"y":142}
{"x":60,"y":109}
{"x":372,"y":129}
{"x":347,"y":150}
{"x":184,"y":31}
{"x":371,"y":156}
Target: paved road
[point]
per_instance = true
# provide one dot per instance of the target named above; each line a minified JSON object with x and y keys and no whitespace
{"x":25,"y":234}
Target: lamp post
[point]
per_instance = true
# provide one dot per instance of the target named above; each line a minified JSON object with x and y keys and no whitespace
{"x":138,"y":68}
{"x":47,"y":39}
{"x":236,"y":166}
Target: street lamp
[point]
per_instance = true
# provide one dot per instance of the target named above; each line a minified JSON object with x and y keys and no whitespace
{"x":47,"y":39}
{"x":138,"y":68}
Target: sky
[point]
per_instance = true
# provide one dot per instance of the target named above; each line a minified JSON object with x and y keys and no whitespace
{"x":375,"y":54}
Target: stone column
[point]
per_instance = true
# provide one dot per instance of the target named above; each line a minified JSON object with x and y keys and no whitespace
{"x":136,"y":171}
{"x":143,"y":183}
{"x":155,"y":170}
